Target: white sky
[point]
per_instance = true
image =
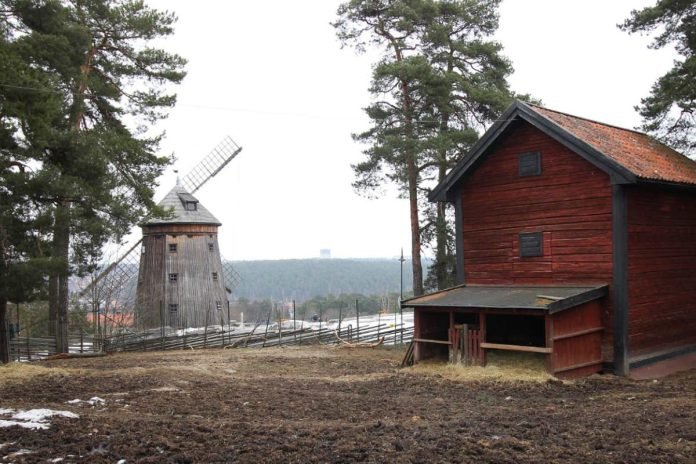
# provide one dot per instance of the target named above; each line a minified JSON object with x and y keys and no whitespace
{"x":273,"y":76}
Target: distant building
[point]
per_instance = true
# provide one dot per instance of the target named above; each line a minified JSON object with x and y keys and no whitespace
{"x":325,"y":253}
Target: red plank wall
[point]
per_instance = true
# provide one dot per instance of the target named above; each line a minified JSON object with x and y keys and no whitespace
{"x":661,"y":268}
{"x":570,"y":202}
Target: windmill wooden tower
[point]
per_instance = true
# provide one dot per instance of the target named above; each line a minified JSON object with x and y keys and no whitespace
{"x":180,"y":277}
{"x":182,"y":280}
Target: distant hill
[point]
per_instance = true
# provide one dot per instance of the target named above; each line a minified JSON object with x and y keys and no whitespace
{"x":302,"y":279}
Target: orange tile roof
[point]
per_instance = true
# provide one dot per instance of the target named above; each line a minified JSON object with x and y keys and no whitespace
{"x":644,"y":156}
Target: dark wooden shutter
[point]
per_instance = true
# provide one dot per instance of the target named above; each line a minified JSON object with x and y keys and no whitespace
{"x":531,"y":244}
{"x":529,"y":164}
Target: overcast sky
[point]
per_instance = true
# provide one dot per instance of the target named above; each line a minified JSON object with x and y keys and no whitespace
{"x":273,"y":76}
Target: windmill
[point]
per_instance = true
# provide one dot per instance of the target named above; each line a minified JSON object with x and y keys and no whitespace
{"x":181,"y":278}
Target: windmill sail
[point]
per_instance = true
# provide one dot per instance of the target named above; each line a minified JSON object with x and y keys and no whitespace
{"x":116,"y":285}
{"x":217,"y":159}
{"x":230,"y":275}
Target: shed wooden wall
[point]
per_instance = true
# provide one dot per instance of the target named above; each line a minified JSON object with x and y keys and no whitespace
{"x":576,"y":338}
{"x":661,"y":272}
{"x":570,"y":202}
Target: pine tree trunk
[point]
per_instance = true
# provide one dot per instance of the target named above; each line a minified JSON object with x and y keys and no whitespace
{"x":52,"y":302}
{"x":412,"y":172}
{"x":4,"y":333}
{"x":61,"y":249}
{"x":415,"y":228}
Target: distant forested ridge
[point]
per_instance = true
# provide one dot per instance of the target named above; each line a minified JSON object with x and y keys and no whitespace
{"x":302,"y":279}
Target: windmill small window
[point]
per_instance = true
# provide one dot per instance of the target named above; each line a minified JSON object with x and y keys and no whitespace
{"x":215,"y":276}
{"x":211,"y":247}
{"x":172,"y":247}
{"x":189,"y":201}
{"x":173,"y":307}
{"x":173,"y":277}
{"x":218,"y":305}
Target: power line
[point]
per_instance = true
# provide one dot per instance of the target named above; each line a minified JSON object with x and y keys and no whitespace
{"x":240,"y":110}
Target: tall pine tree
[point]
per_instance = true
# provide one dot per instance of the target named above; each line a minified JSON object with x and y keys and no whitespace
{"x":98,"y":163}
{"x":669,"y":112}
{"x":394,"y":136}
{"x":440,"y":82}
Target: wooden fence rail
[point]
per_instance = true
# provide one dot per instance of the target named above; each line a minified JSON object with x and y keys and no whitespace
{"x":35,"y":348}
{"x":258,"y":338}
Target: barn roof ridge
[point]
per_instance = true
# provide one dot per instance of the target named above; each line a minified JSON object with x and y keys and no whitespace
{"x":626,"y":155}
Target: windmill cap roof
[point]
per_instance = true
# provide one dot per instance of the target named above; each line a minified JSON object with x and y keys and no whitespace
{"x":186,"y":209}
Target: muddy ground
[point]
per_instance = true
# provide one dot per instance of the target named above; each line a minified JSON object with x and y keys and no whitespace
{"x":326,"y":404}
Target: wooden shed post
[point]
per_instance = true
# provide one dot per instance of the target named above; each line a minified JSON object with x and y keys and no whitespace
{"x":482,"y":335}
{"x":550,"y":358}
{"x":619,"y":222}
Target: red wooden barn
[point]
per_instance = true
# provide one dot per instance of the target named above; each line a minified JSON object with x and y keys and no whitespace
{"x":575,"y":239}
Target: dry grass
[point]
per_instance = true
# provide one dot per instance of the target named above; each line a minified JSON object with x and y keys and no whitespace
{"x":501,"y":367}
{"x":20,"y":372}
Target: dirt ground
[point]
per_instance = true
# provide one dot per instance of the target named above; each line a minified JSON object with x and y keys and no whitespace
{"x":325,"y":404}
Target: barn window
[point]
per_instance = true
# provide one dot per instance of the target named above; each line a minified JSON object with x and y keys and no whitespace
{"x":218,"y":305}
{"x":191,"y":206}
{"x":215,"y":276}
{"x":173,"y":277}
{"x":531,"y":244}
{"x":173,"y":307}
{"x":211,"y":247}
{"x":172,"y":247}
{"x":142,"y":249}
{"x":529,"y":164}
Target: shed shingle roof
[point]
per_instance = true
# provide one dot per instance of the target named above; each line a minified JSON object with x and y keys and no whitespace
{"x":539,"y":298}
{"x":639,"y":153}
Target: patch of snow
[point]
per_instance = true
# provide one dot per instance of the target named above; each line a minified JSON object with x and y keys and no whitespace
{"x":2,"y":445}
{"x":121,"y":461}
{"x":6,"y":411}
{"x":36,"y":419}
{"x":18,"y":453}
{"x":93,"y":401}
{"x":26,"y":425}
{"x":42,"y":414}
{"x":56,"y":460}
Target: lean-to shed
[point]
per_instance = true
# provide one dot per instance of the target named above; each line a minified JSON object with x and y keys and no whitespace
{"x":575,"y":239}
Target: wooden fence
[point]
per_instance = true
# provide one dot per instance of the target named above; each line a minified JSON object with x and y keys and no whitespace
{"x":36,"y":348}
{"x":260,"y":337}
{"x":465,"y":345}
